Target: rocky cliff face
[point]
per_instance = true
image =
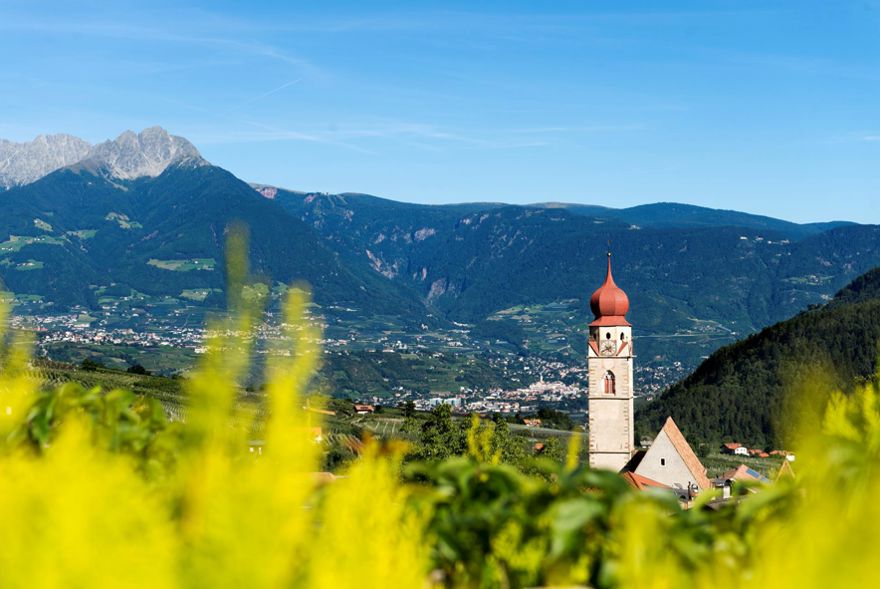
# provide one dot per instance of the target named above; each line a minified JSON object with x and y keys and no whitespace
{"x":148,"y":153}
{"x":131,"y":155}
{"x":23,"y":163}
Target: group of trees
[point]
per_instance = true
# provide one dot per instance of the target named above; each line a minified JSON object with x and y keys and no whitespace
{"x":440,"y":436}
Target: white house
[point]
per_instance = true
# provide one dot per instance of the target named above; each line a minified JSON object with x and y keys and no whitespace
{"x":671,"y":462}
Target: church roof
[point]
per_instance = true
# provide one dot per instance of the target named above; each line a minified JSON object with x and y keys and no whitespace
{"x":642,"y":483}
{"x":687,"y":454}
{"x":609,"y":303}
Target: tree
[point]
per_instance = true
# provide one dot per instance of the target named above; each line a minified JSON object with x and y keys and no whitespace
{"x":138,"y":369}
{"x":90,"y":365}
{"x":408,"y":408}
{"x":440,"y":436}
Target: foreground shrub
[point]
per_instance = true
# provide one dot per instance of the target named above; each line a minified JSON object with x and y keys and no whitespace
{"x":98,"y":489}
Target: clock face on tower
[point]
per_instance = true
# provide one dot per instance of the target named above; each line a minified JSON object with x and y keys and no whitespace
{"x":608,"y":348}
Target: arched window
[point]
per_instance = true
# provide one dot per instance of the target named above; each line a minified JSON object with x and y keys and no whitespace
{"x":609,"y":383}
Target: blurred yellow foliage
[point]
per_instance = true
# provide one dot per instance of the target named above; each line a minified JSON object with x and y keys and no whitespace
{"x":78,"y":513}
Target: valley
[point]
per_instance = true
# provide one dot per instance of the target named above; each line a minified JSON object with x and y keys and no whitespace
{"x":120,"y":259}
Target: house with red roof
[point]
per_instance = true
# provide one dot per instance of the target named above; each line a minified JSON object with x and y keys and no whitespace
{"x":671,"y":462}
{"x":743,"y":473}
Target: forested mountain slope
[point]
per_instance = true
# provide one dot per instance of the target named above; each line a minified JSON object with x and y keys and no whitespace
{"x":739,"y":393}
{"x":77,"y":233}
{"x":696,"y":280}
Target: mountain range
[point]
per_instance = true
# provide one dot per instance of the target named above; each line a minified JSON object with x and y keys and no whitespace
{"x":146,"y":214}
{"x":697,"y":278}
{"x":131,"y":155}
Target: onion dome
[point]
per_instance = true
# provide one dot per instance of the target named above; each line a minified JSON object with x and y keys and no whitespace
{"x":609,"y":303}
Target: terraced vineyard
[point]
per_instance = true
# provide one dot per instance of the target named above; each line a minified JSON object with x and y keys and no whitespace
{"x":169,"y":391}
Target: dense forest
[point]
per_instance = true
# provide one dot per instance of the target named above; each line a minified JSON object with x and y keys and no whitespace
{"x":740,"y":392}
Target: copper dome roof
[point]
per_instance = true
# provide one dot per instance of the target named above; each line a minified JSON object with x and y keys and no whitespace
{"x":609,"y":303}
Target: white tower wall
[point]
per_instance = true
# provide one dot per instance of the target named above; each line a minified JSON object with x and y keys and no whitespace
{"x":611,"y":427}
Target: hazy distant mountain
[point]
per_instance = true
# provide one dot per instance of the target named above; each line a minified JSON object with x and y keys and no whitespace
{"x":23,"y":163}
{"x":129,"y":156}
{"x":670,"y":214}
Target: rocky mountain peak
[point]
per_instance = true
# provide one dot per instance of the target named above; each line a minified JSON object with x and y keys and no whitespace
{"x":23,"y":163}
{"x":131,"y":155}
{"x":148,"y":153}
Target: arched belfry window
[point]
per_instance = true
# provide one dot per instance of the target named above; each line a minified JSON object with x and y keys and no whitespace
{"x":609,"y":383}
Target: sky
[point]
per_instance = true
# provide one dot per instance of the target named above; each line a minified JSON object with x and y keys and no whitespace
{"x":768,"y":107}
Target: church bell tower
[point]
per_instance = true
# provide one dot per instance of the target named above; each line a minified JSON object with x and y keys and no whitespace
{"x":610,"y":364}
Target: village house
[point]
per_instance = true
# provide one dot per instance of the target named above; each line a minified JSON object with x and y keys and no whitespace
{"x":670,"y":462}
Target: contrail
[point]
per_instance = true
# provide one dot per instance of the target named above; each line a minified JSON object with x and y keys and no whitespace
{"x":263,"y":95}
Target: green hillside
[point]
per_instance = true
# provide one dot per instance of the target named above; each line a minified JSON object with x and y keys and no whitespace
{"x":83,"y":236}
{"x":739,"y":393}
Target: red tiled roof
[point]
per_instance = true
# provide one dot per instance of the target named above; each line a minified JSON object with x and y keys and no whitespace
{"x":743,"y":473}
{"x":641,"y":483}
{"x":687,"y":454}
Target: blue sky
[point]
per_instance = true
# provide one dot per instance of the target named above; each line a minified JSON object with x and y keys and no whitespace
{"x":767,"y":107}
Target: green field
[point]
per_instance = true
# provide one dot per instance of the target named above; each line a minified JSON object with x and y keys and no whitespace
{"x":184,"y":265}
{"x":83,"y":233}
{"x":30,"y":265}
{"x":160,"y":359}
{"x":40,"y":224}
{"x":123,"y":221}
{"x":197,"y":294}
{"x":16,"y":242}
{"x":167,"y":390}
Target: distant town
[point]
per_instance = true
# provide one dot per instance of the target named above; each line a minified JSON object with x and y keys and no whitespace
{"x":172,"y":337}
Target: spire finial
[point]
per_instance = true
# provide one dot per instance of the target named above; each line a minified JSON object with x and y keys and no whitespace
{"x":608,"y":278}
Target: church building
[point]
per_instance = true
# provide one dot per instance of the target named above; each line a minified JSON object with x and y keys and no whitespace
{"x":610,"y":366}
{"x":669,"y":462}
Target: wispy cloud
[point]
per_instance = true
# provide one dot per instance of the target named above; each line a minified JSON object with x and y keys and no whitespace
{"x":166,"y":33}
{"x":578,"y":129}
